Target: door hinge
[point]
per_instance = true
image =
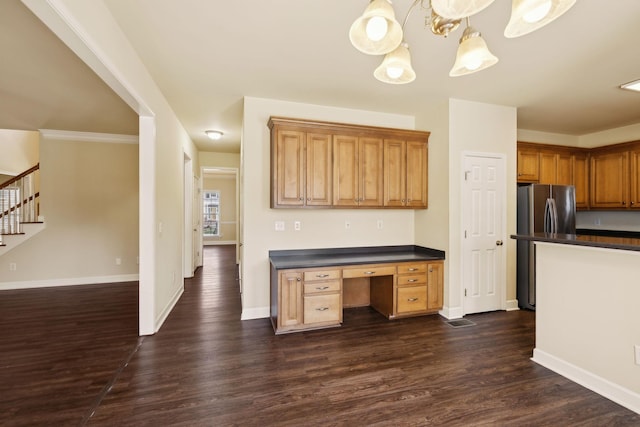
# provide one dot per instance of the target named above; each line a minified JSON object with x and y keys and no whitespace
{"x":466,"y":175}
{"x":465,"y":292}
{"x":465,"y":234}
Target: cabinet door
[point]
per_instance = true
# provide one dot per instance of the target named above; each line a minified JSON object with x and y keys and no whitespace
{"x":580,"y":170}
{"x":395,"y":175}
{"x":609,"y":180}
{"x":547,"y":168}
{"x":319,"y":174}
{"x":435,"y":285}
{"x":528,"y":166}
{"x":564,"y":169}
{"x":370,"y":167}
{"x":417,"y":179}
{"x":288,"y":181}
{"x":345,"y":170}
{"x":634,"y":158}
{"x":290,"y":300}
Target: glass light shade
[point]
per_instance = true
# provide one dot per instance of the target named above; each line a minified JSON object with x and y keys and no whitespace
{"x":367,"y":32}
{"x":526,"y":15}
{"x":458,"y":9}
{"x":396,"y":67}
{"x":214,"y":134}
{"x":473,"y":54}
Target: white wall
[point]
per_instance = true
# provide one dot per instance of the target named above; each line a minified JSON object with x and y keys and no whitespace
{"x":587,"y":318}
{"x":323,"y":228}
{"x":477,"y":127}
{"x":19,"y":151}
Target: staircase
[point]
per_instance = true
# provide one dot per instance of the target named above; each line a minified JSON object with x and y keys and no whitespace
{"x":20,"y":209}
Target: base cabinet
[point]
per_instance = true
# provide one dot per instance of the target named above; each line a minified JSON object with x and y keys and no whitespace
{"x":305,"y":299}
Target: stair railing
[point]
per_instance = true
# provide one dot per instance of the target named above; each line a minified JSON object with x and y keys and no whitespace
{"x":19,"y":201}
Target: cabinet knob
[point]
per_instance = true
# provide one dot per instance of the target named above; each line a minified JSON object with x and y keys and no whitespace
{"x":624,"y":203}
{"x":412,"y":280}
{"x":412,"y":299}
{"x":369,"y":272}
{"x":322,"y":308}
{"x":301,"y":198}
{"x":308,"y":199}
{"x":431,"y":270}
{"x":298,"y":279}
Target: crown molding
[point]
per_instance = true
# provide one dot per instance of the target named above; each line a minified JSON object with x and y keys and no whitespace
{"x":88,"y":136}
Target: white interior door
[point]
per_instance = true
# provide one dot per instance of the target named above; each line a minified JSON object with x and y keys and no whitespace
{"x":483,"y":221}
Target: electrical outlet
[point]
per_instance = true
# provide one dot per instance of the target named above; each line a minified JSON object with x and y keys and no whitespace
{"x":279,"y":225}
{"x":118,"y":261}
{"x":637,"y":354}
{"x":297,"y":225}
{"x":347,"y":224}
{"x":380,"y":224}
{"x":13,"y":266}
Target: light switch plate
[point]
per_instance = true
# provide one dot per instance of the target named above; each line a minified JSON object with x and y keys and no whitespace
{"x":297,"y":225}
{"x":279,"y":225}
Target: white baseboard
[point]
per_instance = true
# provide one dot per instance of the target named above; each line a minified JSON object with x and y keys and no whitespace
{"x":75,"y":281}
{"x":452,"y":312}
{"x":512,"y":305}
{"x":255,"y":313}
{"x":165,"y":313}
{"x":622,"y":396}
{"x":219,"y":242}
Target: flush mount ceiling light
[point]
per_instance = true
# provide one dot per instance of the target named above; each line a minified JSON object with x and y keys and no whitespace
{"x":214,"y":134}
{"x":634,"y":85}
{"x":377,"y":32}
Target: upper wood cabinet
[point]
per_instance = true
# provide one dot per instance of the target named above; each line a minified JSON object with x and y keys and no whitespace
{"x":615,"y":176}
{"x":555,"y":167}
{"x":528,"y":164}
{"x":580,"y":170}
{"x":405,"y":173}
{"x":357,"y":171}
{"x":333,"y":165}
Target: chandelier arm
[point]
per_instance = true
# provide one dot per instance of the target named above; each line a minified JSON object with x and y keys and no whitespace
{"x":406,"y":18}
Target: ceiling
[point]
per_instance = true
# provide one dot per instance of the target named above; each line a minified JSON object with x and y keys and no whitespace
{"x":206,"y":55}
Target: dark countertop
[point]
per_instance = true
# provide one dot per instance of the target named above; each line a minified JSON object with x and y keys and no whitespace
{"x":597,"y":241}
{"x":308,"y":258}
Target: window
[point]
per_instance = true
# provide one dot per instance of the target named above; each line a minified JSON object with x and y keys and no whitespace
{"x":211,"y":213}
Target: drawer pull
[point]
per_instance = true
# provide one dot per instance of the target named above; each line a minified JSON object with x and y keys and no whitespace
{"x":413,"y":269}
{"x":369,"y":272}
{"x":412,"y":280}
{"x":321,"y":276}
{"x":321,"y":288}
{"x":412,"y":299}
{"x":322,"y":308}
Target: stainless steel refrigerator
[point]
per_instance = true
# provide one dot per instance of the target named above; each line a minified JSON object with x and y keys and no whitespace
{"x":541,"y":209}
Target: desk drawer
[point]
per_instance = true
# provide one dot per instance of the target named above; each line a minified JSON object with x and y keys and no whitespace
{"x":370,"y":271}
{"x":318,"y":287}
{"x":412,"y":268}
{"x":412,"y":279}
{"x":321,"y":275}
{"x":412,"y":298}
{"x":322,"y":308}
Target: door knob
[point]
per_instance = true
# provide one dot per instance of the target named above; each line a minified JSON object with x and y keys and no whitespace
{"x":498,"y":242}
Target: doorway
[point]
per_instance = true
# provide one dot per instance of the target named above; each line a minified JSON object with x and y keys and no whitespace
{"x":483,"y":234}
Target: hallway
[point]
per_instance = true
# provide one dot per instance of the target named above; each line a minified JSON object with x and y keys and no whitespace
{"x":207,"y":368}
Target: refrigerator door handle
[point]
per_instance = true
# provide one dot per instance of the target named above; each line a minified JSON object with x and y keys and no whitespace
{"x":547,"y":216}
{"x":554,"y":216}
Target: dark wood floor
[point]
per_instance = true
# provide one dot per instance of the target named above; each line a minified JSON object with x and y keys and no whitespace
{"x":70,"y":356}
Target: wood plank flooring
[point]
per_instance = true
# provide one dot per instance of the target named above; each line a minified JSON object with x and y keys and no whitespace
{"x":70,"y":356}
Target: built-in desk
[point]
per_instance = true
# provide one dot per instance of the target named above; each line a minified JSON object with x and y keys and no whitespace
{"x":310,"y":288}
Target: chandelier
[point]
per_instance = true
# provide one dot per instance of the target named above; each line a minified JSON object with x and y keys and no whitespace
{"x":377,"y":32}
